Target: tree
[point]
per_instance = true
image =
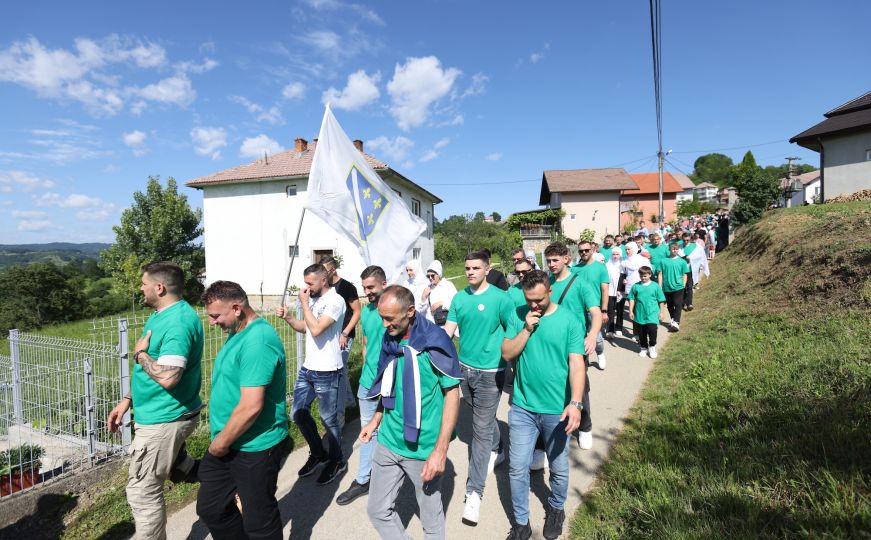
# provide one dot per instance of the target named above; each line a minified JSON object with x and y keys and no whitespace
{"x":160,"y":226}
{"x":757,"y":191}
{"x":497,"y":217}
{"x":713,"y":168}
{"x":457,"y":235}
{"x":35,"y":295}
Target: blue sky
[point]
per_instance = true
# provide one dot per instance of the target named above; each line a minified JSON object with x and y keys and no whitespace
{"x":473,"y":100}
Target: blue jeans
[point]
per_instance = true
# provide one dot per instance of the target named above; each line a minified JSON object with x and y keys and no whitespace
{"x":482,"y":391}
{"x":326,"y":387}
{"x":367,"y":411}
{"x":524,"y":427}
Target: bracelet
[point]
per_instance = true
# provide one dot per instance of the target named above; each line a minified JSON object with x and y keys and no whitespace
{"x":136,"y":355}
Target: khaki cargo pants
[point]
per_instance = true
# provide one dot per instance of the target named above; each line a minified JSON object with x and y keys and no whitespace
{"x":152,"y":454}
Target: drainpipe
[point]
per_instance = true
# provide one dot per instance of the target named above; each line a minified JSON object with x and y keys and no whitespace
{"x":822,"y":170}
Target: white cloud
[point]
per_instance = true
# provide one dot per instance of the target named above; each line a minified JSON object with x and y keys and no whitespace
{"x":417,"y":85}
{"x":111,"y":168}
{"x":22,"y":181}
{"x":478,"y":86}
{"x":294,"y":90}
{"x":361,"y":90}
{"x":208,"y":141}
{"x":255,"y":147}
{"x":192,"y":67}
{"x":175,"y":90}
{"x":326,"y":41}
{"x":395,"y":149}
{"x":433,"y":152}
{"x":96,"y":214}
{"x":270,"y":116}
{"x":538,"y":56}
{"x":494,"y":156}
{"x":74,"y":200}
{"x":138,"y":107}
{"x":441,"y":143}
{"x":429,"y":155}
{"x":359,"y":10}
{"x":28,"y":214}
{"x":34,"y":225}
{"x":135,"y":140}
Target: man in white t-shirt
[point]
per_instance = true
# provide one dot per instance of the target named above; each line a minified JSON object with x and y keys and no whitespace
{"x":319,"y":377}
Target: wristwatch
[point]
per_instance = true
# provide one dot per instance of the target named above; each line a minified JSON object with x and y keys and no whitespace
{"x":577,"y":404}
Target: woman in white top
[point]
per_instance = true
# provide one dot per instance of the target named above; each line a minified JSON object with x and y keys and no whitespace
{"x":615,"y":316}
{"x":415,"y":282}
{"x":438,"y":294}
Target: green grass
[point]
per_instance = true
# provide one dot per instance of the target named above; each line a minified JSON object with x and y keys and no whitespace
{"x":456,"y":270}
{"x":756,"y":421}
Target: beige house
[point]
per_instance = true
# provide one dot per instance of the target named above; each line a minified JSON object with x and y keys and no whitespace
{"x":590,"y":199}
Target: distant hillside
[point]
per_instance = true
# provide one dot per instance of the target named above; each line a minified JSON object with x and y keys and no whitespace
{"x":56,"y":252}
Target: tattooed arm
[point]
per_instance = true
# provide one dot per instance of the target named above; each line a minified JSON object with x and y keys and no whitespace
{"x":164,"y":375}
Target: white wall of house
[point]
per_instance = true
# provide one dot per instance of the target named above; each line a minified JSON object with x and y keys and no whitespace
{"x":685,"y":195}
{"x":597,"y":210}
{"x":847,"y":164}
{"x":249,"y":228}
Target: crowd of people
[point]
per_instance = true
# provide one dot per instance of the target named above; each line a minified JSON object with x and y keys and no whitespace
{"x":530,"y":333}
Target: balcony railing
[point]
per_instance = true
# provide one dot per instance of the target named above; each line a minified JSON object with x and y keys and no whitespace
{"x":531,"y":231}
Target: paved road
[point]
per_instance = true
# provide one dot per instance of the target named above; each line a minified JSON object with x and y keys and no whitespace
{"x":309,"y":510}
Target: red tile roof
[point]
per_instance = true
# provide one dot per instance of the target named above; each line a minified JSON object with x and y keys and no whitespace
{"x":649,"y":183}
{"x":287,"y":163}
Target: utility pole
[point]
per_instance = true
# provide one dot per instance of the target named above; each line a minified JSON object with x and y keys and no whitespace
{"x":661,"y":157}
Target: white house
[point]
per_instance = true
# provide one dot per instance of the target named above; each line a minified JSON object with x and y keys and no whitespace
{"x":251,"y":214}
{"x":706,"y":191}
{"x":808,"y":194}
{"x":687,"y":185}
{"x":843,"y":141}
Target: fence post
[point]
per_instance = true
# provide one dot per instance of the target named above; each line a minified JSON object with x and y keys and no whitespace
{"x":15,"y":349}
{"x":124,"y":378}
{"x":89,"y":408}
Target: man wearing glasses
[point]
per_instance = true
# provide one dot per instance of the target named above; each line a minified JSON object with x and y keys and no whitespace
{"x":517,"y":255}
{"x":595,"y":274}
{"x":522,"y":267}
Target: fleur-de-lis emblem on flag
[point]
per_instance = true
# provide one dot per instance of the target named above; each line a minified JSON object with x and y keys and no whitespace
{"x":368,"y":201}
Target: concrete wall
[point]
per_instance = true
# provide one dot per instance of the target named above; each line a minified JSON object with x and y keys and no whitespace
{"x":249,"y":228}
{"x":846,"y":168}
{"x":597,"y":210}
{"x":649,"y":205}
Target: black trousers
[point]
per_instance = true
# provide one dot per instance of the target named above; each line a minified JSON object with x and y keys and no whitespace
{"x":674,"y":303}
{"x":688,"y":290}
{"x":646,"y":335}
{"x":621,"y":311}
{"x":615,"y":314}
{"x":254,"y":476}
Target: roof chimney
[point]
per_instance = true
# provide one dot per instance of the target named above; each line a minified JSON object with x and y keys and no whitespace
{"x":301,"y":145}
{"x":358,"y":144}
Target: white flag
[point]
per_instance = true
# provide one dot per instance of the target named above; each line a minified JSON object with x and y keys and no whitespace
{"x":345,"y":192}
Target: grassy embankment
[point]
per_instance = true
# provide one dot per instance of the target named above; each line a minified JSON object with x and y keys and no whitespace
{"x":756,"y":421}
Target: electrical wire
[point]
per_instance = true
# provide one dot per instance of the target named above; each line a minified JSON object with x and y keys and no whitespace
{"x":729,"y":148}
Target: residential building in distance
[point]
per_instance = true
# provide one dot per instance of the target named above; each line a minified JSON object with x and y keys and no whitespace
{"x":687,"y":185}
{"x":646,"y":198}
{"x":808,"y":192}
{"x":706,"y":191}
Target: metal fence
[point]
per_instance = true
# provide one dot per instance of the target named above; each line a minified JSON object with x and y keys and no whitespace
{"x":56,"y":395}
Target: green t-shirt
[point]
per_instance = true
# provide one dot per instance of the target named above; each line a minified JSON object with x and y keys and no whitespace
{"x":252,"y":357}
{"x":606,"y":252}
{"x":593,"y":274}
{"x":577,"y":301}
{"x":373,"y":329}
{"x":541,"y":372}
{"x":673,"y":270}
{"x":482,"y":320}
{"x":515,"y":292}
{"x":689,"y":248}
{"x":391,"y":432}
{"x":647,"y":299}
{"x":656,"y":255}
{"x":176,"y":336}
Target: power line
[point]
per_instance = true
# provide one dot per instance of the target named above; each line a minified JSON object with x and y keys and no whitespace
{"x":729,"y":148}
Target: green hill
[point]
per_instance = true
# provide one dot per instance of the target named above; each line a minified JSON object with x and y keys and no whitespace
{"x":756,"y":420}
{"x":55,"y":252}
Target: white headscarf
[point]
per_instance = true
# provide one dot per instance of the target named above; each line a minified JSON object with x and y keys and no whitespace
{"x":435,"y":266}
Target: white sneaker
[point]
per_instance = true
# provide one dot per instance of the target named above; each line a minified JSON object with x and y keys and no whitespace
{"x":619,"y":333}
{"x":586,"y":440}
{"x":675,"y":326}
{"x":643,"y":353}
{"x":472,"y":510}
{"x":652,"y":352}
{"x":496,"y":459}
{"x":634,"y":339}
{"x":539,"y":461}
{"x":601,"y":361}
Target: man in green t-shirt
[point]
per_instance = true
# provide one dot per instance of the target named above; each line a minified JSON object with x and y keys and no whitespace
{"x":645,"y":305}
{"x":574,"y":294}
{"x":247,"y":421}
{"x":436,"y":402}
{"x":673,"y":280}
{"x":374,"y":280}
{"x":165,"y":395}
{"x":595,"y":274}
{"x":546,"y":344}
{"x":657,"y":251}
{"x":482,"y":313}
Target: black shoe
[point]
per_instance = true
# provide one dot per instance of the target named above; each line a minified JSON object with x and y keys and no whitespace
{"x":553,"y":522}
{"x":332,"y":470}
{"x":311,"y":464}
{"x":356,"y":490}
{"x":520,"y":532}
{"x":688,"y":308}
{"x":178,"y":475}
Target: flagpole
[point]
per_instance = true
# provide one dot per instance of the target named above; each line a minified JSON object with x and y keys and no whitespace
{"x":292,"y":257}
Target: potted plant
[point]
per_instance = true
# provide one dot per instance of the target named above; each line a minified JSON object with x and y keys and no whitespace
{"x":19,"y":468}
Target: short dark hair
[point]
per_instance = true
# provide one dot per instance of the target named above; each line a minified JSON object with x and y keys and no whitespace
{"x":328,"y":259}
{"x":227,"y":291}
{"x":487,"y":251}
{"x":535,"y":278}
{"x":373,"y":271}
{"x":400,"y":293}
{"x":515,"y":251}
{"x":524,"y":261}
{"x":557,"y":248}
{"x":480,"y":255}
{"x":316,"y":268}
{"x":645,"y":270}
{"x":607,"y":236}
{"x":168,"y":273}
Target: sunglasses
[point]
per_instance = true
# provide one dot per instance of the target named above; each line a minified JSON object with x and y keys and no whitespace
{"x":521,"y":273}
{"x":584,"y":250}
{"x":431,"y":275}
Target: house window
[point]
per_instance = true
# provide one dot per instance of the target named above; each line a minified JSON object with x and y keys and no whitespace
{"x":572,"y":217}
{"x":290,"y":190}
{"x":868,"y":155}
{"x":415,"y":253}
{"x":415,"y":207}
{"x":428,"y":224}
{"x":293,"y":251}
{"x":318,"y":253}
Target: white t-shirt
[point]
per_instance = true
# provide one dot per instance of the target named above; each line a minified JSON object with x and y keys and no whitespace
{"x":444,"y":292}
{"x":630,"y":266}
{"x":614,"y":271}
{"x":323,"y":353}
